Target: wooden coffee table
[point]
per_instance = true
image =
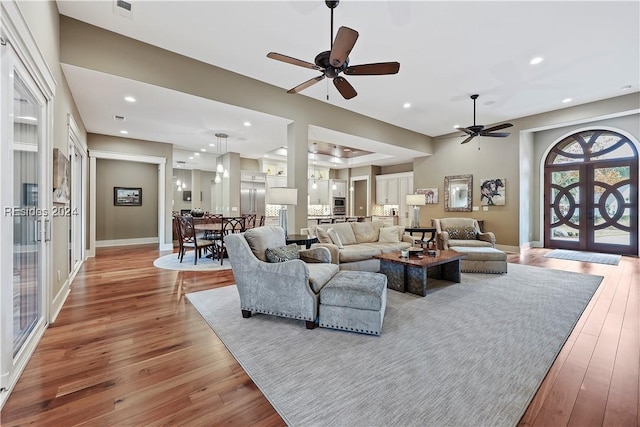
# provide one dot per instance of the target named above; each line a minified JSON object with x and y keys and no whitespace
{"x":410,"y":274}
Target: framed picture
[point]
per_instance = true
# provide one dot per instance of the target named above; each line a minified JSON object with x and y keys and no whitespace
{"x":61,"y":177}
{"x":29,"y":194}
{"x":430,"y":195}
{"x":186,"y":196}
{"x":127,"y":196}
{"x":493,"y":192}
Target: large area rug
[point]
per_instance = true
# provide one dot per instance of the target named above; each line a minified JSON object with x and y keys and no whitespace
{"x":584,"y":256}
{"x":467,"y":354}
{"x":171,"y":262}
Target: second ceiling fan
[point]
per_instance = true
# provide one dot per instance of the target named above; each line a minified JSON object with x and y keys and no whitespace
{"x":479,"y":130}
{"x":335,"y":61}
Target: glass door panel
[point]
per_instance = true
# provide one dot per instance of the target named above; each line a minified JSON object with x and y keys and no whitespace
{"x":611,"y":206}
{"x":27,"y":220}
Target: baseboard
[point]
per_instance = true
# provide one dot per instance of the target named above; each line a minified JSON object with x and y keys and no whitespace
{"x":58,"y":301}
{"x":166,"y":247}
{"x":126,"y":242}
{"x":509,"y":249}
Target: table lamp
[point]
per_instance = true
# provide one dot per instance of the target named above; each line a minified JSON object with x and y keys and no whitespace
{"x":416,"y":200}
{"x":282,"y":196}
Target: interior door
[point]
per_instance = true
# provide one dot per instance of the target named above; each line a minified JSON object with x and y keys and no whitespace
{"x":591,"y":194}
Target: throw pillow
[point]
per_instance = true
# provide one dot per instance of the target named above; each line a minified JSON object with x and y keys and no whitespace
{"x":283,"y":253}
{"x":335,"y":238}
{"x":389,"y":235}
{"x":461,"y":233}
{"x":322,"y":235}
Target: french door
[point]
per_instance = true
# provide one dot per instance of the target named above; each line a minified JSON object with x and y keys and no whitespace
{"x":591,"y":194}
{"x":25,"y":227}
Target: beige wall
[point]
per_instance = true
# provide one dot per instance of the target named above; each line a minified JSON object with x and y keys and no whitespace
{"x":43,"y":22}
{"x":126,"y":222}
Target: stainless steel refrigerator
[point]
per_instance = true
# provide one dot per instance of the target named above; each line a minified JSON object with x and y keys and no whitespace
{"x":252,"y":192}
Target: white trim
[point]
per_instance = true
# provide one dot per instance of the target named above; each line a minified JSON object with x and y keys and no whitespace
{"x":126,"y":242}
{"x":584,"y":120}
{"x":58,"y":300}
{"x":78,"y":146}
{"x":140,"y":158}
{"x":369,"y":202}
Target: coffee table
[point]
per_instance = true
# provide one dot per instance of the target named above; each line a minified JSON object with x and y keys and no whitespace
{"x":410,"y":274}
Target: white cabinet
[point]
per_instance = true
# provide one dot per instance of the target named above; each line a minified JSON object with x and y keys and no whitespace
{"x":405,"y":186}
{"x":320,"y":194}
{"x":341,"y":187}
{"x":386,"y":190}
{"x":276,"y":181}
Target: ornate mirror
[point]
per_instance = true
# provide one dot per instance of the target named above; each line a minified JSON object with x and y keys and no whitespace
{"x":457,"y":193}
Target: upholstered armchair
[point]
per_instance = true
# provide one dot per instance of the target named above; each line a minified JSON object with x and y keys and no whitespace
{"x":289,"y":288}
{"x":461,"y":232}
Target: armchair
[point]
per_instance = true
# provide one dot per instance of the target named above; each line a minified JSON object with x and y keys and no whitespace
{"x":290,"y":288}
{"x":461,"y":232}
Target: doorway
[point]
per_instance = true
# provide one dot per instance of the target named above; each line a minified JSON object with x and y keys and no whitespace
{"x":359,"y":196}
{"x":591,"y":193}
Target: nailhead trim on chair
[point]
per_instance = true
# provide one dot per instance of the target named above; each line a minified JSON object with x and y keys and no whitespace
{"x":325,"y":325}
{"x":277,"y":314}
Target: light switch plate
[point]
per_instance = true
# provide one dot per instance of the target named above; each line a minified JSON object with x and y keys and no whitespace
{"x":485,"y":208}
{"x":475,"y":208}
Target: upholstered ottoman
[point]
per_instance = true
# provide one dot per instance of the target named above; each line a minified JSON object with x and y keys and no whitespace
{"x":354,"y":301}
{"x":482,"y":260}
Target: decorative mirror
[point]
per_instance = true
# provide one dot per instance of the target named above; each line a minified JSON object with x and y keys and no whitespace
{"x":457,"y":193}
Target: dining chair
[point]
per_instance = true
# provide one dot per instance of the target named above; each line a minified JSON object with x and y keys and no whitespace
{"x":261,"y":222}
{"x":188,"y":239}
{"x":211,"y":218}
{"x":250,"y":220}
{"x":230,"y":225}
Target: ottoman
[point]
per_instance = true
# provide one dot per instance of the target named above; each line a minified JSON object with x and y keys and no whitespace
{"x":482,"y":260}
{"x":354,"y":301}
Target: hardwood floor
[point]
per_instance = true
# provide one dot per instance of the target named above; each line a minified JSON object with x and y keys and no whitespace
{"x":129,"y":350}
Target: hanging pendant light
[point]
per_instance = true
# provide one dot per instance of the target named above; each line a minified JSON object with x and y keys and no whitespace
{"x":221,"y":139}
{"x":217,"y":179}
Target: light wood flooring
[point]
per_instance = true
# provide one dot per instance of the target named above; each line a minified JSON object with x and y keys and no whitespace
{"x":129,"y":350}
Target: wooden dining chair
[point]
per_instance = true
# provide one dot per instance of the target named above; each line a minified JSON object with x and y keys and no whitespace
{"x":261,"y":222}
{"x":230,"y":225}
{"x":250,"y":220}
{"x":189,"y":239}
{"x":210,"y":218}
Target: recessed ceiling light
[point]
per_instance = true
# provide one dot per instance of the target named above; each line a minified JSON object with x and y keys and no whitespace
{"x":190,"y":158}
{"x":407,"y":105}
{"x":456,"y":126}
{"x":203,"y":149}
{"x":124,"y":132}
{"x":196,"y":154}
{"x":567,"y":100}
{"x":247,"y":124}
{"x":625,"y":87}
{"x":266,"y":155}
{"x":129,"y":99}
{"x":536,"y":60}
{"x":212,"y":145}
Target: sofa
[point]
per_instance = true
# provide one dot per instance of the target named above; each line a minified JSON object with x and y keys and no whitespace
{"x":352,"y":245}
{"x":283,"y":283}
{"x":461,"y":232}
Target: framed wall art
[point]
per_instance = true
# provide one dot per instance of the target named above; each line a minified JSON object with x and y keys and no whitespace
{"x":430,"y":195}
{"x":493,"y":192}
{"x":127,"y":196}
{"x":61,"y":177}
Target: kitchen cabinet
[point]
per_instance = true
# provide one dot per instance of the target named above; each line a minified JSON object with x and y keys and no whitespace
{"x":276,"y":181}
{"x":386,"y":190}
{"x":320,"y":194}
{"x":341,"y":187}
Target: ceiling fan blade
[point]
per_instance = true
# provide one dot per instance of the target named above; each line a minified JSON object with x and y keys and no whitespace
{"x":342,"y":45}
{"x":498,"y":127}
{"x":306,"y":84}
{"x":373,"y":69}
{"x":465,"y":130}
{"x":294,"y":61}
{"x":344,"y":87}
{"x":468,"y":139}
{"x":496,"y":134}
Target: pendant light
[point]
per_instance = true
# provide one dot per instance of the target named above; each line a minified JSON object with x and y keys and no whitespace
{"x":221,"y":139}
{"x":335,"y":162}
{"x":315,"y":155}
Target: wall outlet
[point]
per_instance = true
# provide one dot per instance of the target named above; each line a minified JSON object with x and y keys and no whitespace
{"x":58,"y":276}
{"x":234,"y":209}
{"x":475,"y":208}
{"x":485,"y":208}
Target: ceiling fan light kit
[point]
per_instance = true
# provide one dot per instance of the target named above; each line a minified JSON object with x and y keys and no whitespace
{"x":480,"y":130}
{"x":336,"y":60}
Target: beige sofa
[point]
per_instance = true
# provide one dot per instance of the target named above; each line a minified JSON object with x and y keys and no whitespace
{"x":353,"y":244}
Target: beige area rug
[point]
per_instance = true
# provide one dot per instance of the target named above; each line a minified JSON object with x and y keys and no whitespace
{"x":171,"y":262}
{"x":467,"y":354}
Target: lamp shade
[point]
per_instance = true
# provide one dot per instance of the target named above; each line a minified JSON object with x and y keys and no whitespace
{"x":282,"y":196}
{"x":416,"y":199}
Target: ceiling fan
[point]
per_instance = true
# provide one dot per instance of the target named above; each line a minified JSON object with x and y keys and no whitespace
{"x":479,"y":130}
{"x":335,"y":61}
